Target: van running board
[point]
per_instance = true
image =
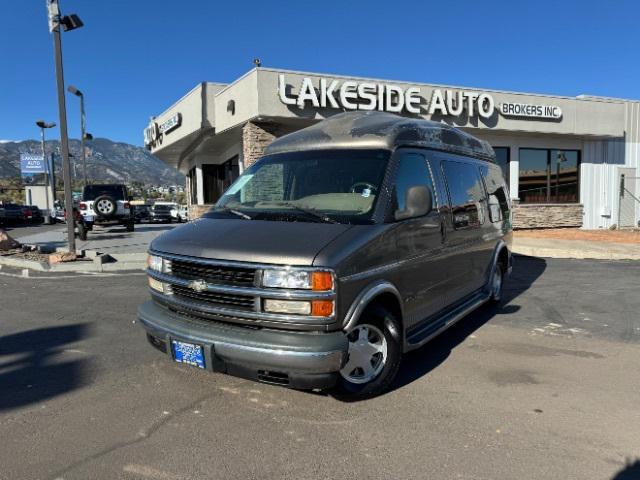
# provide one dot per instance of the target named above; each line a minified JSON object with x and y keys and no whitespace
{"x":429,"y":329}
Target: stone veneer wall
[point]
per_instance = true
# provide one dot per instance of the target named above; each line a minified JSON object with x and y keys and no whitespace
{"x":196,"y":211}
{"x":255,"y":138}
{"x":547,"y":215}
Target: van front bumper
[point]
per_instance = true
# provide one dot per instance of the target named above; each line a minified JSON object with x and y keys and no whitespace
{"x":302,"y":360}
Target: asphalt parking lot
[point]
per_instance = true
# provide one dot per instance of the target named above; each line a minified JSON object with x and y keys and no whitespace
{"x":544,"y":388}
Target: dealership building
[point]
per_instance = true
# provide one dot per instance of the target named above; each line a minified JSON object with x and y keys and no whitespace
{"x":568,"y":161}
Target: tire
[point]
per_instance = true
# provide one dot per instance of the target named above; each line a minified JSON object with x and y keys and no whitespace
{"x":105,"y":206}
{"x":497,"y":284}
{"x":382,"y":331}
{"x":82,"y":231}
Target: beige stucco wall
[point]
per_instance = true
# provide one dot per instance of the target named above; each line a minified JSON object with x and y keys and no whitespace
{"x":197,"y":109}
{"x":600,"y":117}
{"x":244,"y":93}
{"x":255,"y":97}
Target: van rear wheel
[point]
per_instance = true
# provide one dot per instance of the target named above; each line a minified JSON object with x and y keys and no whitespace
{"x":497,"y":283}
{"x":373,"y":359}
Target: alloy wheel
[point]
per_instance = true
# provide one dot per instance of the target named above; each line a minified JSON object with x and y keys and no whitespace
{"x":367,"y":354}
{"x":496,"y":284}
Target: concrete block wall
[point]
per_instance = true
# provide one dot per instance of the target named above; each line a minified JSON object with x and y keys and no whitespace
{"x":547,"y":215}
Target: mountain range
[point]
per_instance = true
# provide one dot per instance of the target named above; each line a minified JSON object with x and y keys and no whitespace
{"x":107,"y":161}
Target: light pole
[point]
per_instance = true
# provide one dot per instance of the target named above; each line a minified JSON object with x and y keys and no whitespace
{"x":83,"y":126}
{"x":68,"y":22}
{"x":42,"y":124}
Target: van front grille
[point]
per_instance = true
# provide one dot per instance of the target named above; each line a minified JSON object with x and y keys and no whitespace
{"x":215,"y":274}
{"x":216,"y":299}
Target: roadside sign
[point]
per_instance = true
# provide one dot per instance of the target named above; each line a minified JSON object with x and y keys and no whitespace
{"x":33,"y":169}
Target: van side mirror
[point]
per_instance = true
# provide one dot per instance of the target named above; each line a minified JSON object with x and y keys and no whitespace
{"x":417,"y":203}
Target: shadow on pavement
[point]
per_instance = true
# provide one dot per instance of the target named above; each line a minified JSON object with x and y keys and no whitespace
{"x":526,"y":271}
{"x":631,"y":471}
{"x":36,"y":365}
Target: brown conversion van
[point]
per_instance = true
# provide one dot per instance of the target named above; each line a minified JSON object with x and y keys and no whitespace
{"x":348,"y":244}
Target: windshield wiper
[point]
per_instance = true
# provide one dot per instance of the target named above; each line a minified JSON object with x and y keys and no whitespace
{"x":237,"y":213}
{"x":310,"y":211}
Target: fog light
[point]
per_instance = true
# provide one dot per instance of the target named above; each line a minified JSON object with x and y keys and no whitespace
{"x":322,"y":308}
{"x":287,"y":306}
{"x":156,"y":285}
{"x":159,"y":286}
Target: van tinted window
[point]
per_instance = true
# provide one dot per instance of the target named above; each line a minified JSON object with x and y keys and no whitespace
{"x":466,"y":193}
{"x":413,"y":170}
{"x":498,"y":193}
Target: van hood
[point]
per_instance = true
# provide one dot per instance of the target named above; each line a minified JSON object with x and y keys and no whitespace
{"x":259,"y":241}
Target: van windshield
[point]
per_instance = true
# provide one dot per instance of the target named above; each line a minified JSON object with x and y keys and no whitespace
{"x":332,"y":186}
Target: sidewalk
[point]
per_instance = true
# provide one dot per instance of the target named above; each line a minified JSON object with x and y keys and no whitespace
{"x":112,"y":249}
{"x":574,"y":243}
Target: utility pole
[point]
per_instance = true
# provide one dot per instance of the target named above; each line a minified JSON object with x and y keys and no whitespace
{"x":83,"y":128}
{"x":49,"y":174}
{"x":56,"y":21}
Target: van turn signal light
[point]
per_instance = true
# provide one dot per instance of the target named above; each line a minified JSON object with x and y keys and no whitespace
{"x":322,"y":308}
{"x":321,"y":281}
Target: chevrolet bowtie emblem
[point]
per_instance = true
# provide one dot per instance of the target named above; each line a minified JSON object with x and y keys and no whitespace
{"x":198,"y":285}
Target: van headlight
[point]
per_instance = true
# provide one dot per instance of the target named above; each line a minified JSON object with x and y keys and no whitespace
{"x":158,"y":264}
{"x":297,"y":279}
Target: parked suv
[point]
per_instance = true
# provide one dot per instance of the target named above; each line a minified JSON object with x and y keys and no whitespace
{"x":348,"y":244}
{"x":104,"y":205}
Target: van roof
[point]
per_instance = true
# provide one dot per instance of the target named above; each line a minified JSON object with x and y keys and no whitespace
{"x":380,"y":130}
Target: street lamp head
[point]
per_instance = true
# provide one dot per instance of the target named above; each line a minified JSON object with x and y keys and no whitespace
{"x":71,"y":22}
{"x":43,"y":124}
{"x":88,"y":136}
{"x":74,"y":90}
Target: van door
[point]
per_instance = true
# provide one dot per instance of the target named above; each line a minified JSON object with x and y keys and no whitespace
{"x":464,"y":235}
{"x":418,"y":242}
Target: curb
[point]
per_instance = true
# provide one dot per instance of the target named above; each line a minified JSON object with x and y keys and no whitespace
{"x":113,"y":263}
{"x":573,"y":253}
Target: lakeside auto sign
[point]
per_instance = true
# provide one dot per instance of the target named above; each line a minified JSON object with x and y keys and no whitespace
{"x":356,"y":95}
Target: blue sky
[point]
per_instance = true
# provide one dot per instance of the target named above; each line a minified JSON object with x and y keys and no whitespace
{"x":134,"y":58}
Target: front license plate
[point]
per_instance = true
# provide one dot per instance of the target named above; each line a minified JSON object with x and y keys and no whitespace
{"x":188,"y":353}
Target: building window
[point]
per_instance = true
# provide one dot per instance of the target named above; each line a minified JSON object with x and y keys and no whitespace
{"x":217,"y":178}
{"x":549,"y":175}
{"x":503,"y":157}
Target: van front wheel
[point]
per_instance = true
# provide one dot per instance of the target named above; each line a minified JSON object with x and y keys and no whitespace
{"x":373,"y":359}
